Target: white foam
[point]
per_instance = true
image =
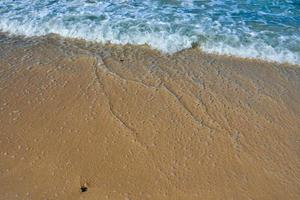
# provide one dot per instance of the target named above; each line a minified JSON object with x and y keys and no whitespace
{"x":255,"y":50}
{"x":162,"y":41}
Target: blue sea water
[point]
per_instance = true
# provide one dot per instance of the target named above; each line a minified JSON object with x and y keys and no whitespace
{"x":263,"y":29}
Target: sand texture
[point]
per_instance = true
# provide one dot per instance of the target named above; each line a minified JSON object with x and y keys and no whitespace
{"x":128,"y":123}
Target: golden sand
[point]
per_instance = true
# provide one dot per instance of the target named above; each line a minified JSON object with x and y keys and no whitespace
{"x":128,"y":123}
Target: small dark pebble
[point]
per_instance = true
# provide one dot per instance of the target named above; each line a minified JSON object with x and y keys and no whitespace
{"x":83,"y":189}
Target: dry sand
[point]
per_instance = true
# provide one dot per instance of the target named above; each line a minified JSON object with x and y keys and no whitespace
{"x":129,"y":123}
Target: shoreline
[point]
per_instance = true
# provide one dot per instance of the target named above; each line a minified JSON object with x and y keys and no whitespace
{"x":90,"y":121}
{"x":84,"y":42}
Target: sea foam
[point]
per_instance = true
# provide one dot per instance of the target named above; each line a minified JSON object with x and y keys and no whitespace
{"x":257,"y":29}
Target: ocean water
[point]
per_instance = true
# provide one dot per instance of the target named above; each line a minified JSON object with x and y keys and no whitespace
{"x":262,"y":29}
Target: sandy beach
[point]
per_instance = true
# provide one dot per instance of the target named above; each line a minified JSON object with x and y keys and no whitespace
{"x":86,"y":121}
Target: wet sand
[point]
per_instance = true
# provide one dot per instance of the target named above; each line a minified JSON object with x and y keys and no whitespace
{"x":85,"y":121}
